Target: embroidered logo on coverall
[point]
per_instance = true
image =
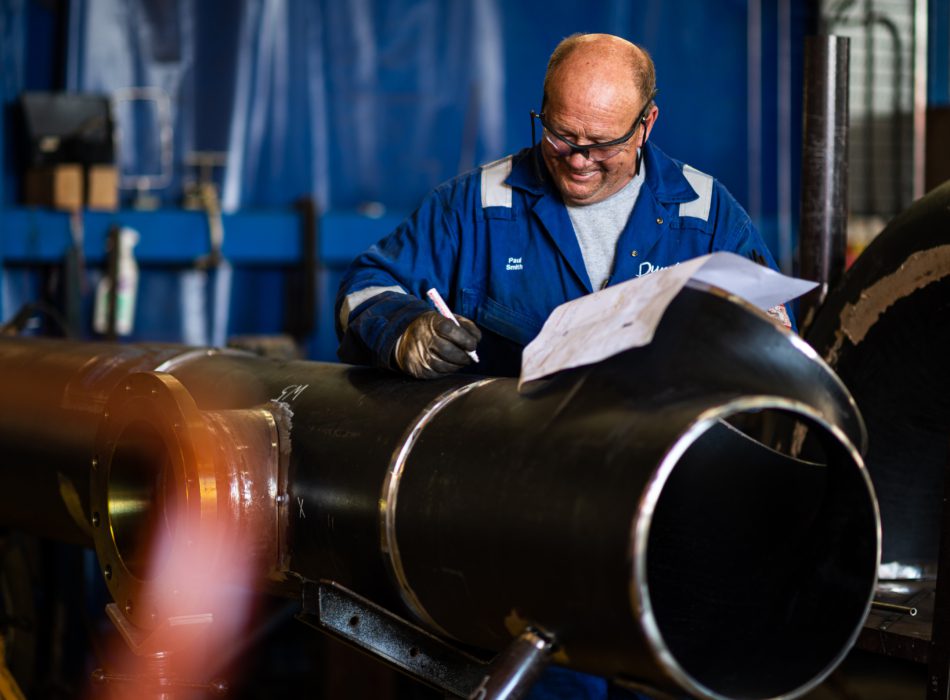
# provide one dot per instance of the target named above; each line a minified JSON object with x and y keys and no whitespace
{"x":646,"y":267}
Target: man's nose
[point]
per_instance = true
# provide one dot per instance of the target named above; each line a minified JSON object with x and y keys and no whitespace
{"x":577,"y":160}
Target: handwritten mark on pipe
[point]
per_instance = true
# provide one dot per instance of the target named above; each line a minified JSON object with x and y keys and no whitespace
{"x":292,"y":392}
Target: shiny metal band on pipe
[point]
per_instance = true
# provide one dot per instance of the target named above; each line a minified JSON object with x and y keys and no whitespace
{"x":389,"y":500}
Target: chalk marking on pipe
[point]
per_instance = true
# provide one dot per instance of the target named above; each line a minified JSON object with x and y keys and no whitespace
{"x":291,"y":392}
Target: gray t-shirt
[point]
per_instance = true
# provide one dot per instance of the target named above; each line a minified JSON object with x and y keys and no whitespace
{"x":598,"y":227}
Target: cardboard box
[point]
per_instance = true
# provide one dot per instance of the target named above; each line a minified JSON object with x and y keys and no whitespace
{"x":102,"y":187}
{"x":56,"y":186}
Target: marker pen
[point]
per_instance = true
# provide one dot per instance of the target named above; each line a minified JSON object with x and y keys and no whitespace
{"x":443,"y":309}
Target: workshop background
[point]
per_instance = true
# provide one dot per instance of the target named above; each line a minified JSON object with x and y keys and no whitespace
{"x":360,"y":107}
{"x":261,"y":144}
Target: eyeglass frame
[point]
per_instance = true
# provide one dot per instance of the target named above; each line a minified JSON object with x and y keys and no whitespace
{"x":587,"y":148}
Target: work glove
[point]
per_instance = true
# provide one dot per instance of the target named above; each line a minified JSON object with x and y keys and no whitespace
{"x":433,"y":346}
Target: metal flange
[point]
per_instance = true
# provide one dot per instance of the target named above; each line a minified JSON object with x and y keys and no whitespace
{"x":153,"y":490}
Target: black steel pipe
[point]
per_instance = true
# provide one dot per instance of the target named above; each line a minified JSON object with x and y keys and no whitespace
{"x":886,"y":331}
{"x":665,"y":516}
{"x":824,"y":199}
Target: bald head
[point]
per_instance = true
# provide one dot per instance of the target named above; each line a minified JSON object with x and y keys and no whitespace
{"x":597,"y":90}
{"x":604,"y":59}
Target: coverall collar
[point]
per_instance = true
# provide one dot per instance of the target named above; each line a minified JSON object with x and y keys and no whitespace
{"x":664,"y":185}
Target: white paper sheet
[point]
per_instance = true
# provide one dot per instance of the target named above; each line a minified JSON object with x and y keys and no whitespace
{"x":600,"y":325}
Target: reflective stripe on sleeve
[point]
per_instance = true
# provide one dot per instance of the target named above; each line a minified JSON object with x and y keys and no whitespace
{"x":495,"y":192}
{"x":354,"y":299}
{"x":703,"y":185}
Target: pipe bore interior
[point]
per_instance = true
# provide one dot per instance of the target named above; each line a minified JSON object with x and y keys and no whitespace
{"x":761,"y":556}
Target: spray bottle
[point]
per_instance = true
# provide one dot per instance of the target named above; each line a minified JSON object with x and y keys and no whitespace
{"x":126,"y":288}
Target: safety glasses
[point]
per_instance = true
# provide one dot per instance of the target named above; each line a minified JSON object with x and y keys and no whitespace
{"x":596,"y":152}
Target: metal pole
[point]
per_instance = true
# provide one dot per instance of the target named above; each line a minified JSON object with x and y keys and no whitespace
{"x":824,"y":208}
{"x":516,"y":669}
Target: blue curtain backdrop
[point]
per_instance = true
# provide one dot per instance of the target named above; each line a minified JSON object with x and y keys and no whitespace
{"x":350,"y":102}
{"x":379,"y":100}
{"x":13,"y":36}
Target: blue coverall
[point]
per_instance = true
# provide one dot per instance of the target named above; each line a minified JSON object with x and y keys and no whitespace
{"x":499,"y":246}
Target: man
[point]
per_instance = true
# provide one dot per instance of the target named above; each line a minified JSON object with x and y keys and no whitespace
{"x":593,"y":204}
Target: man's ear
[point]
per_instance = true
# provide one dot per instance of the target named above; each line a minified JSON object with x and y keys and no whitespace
{"x":649,"y":123}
